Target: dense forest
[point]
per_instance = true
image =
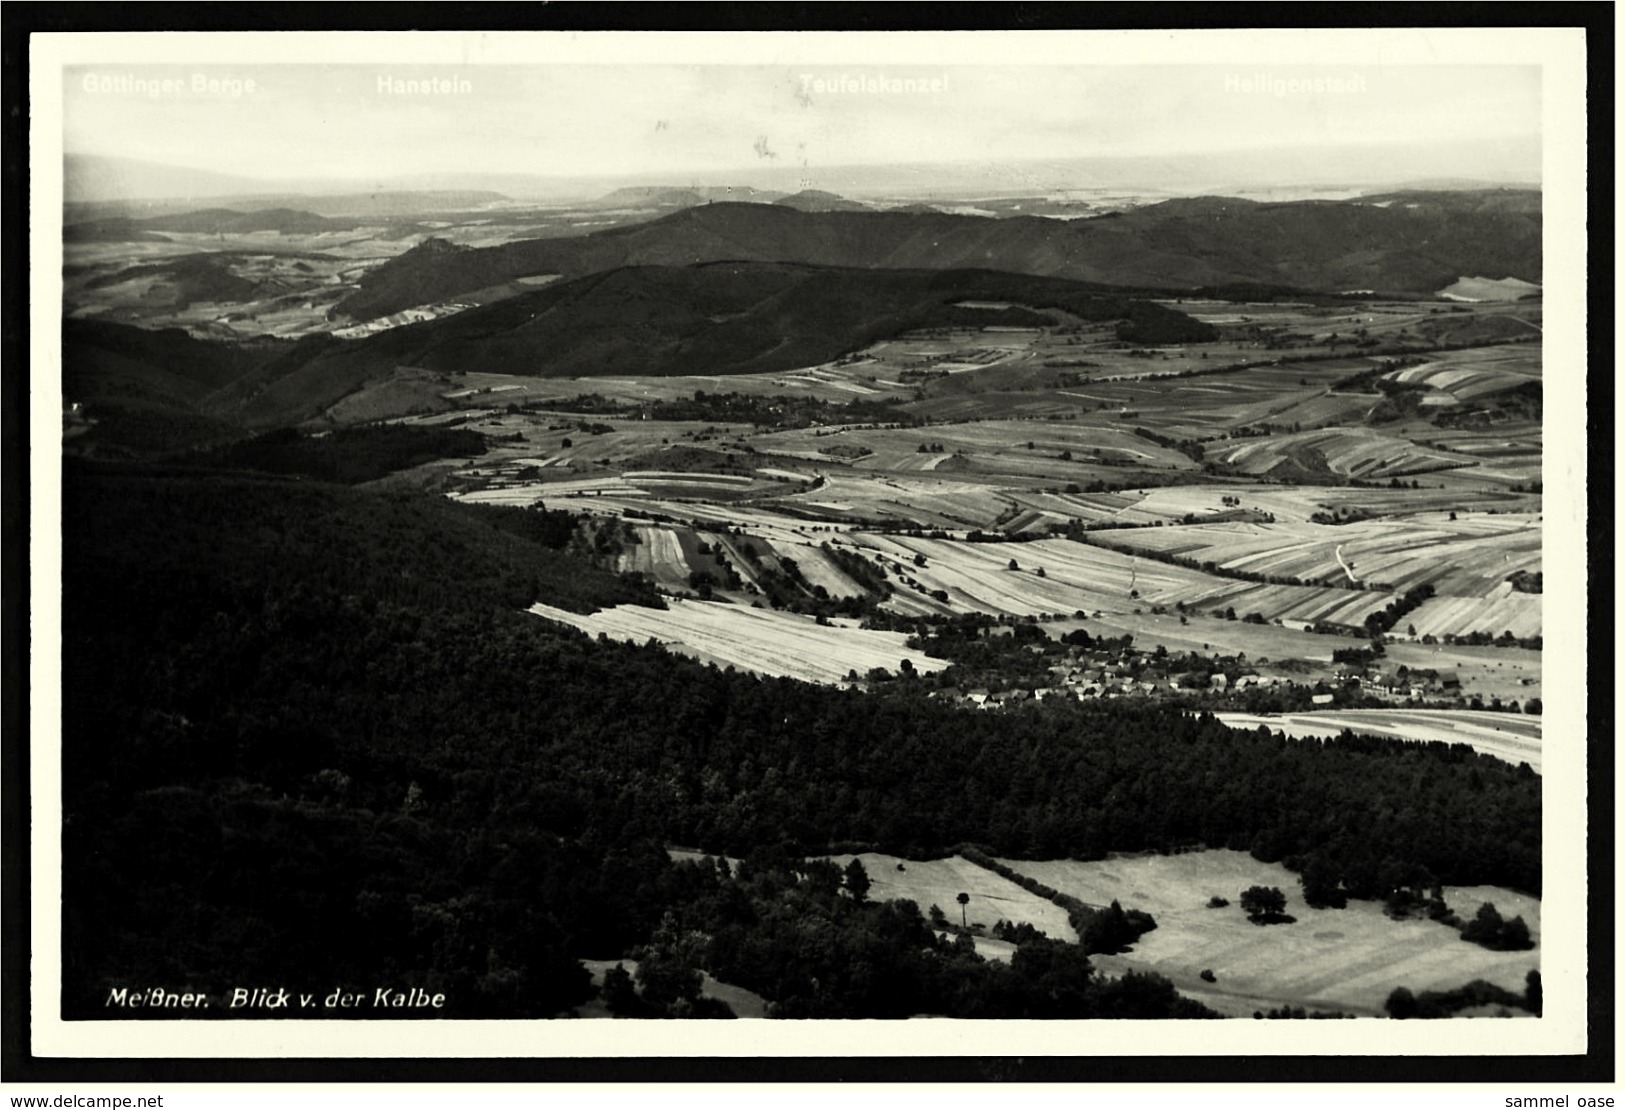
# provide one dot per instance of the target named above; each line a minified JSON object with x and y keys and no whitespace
{"x":348,"y":456}
{"x":309,"y":732}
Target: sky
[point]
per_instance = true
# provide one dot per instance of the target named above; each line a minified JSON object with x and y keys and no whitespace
{"x":687,"y":121}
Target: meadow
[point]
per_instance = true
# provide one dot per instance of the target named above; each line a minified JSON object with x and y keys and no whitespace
{"x":1344,"y":960}
{"x":760,"y":640}
{"x":1508,"y":736}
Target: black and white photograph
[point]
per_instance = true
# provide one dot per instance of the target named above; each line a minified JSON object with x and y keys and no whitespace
{"x":912,"y":544}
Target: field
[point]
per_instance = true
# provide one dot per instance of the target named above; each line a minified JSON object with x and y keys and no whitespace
{"x":280,"y":279}
{"x":1503,"y":611}
{"x":1347,"y":960}
{"x":759,"y":640}
{"x":1099,"y":458}
{"x":1489,"y":289}
{"x":939,"y":882}
{"x":1344,"y":452}
{"x":1511,"y":674}
{"x":1468,"y":557}
{"x":1030,"y":431}
{"x":1049,"y":450}
{"x":1466,"y":375}
{"x":1509,"y":736}
{"x":1079,"y":576}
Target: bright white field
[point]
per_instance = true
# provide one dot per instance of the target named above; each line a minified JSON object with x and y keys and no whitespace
{"x":976,"y":576}
{"x":1508,"y":736}
{"x":759,"y":640}
{"x":1488,"y":289}
{"x":1346,"y":960}
{"x":1468,"y":558}
{"x":1359,"y":452}
{"x":1503,"y":611}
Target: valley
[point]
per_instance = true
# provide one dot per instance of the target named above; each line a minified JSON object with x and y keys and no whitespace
{"x":1188,"y":560}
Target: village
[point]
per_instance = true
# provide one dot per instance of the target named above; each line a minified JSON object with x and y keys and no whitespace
{"x":1076,"y":668}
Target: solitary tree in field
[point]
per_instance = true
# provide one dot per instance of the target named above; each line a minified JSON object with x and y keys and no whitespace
{"x":857,"y":880}
{"x":1262,"y":902}
{"x":963,"y":900}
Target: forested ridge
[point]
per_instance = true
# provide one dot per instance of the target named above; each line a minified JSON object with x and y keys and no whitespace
{"x":309,"y":732}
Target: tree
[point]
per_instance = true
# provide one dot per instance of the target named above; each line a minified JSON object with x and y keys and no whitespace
{"x":1515,"y":935}
{"x":964,"y":900}
{"x":1401,"y":1003}
{"x":1322,"y":885}
{"x":1014,"y":565}
{"x":1263,"y":902}
{"x":1485,"y":927}
{"x":856,"y":878}
{"x":619,"y":994}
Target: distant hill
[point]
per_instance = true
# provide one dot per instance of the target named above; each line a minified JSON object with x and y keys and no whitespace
{"x":104,"y":187}
{"x":648,"y":196}
{"x":148,"y":390}
{"x":671,"y":196}
{"x":719,"y":318}
{"x":736,"y":318}
{"x":1411,"y":247}
{"x":192,"y":278}
{"x":817,"y":200}
{"x":209,"y":221}
{"x":1450,"y":184}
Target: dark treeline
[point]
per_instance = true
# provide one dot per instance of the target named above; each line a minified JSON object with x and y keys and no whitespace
{"x":1106,"y":929}
{"x":346,"y":455}
{"x":803,"y":934}
{"x":1402,"y":1003}
{"x":735,"y":408}
{"x":309,"y":733}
